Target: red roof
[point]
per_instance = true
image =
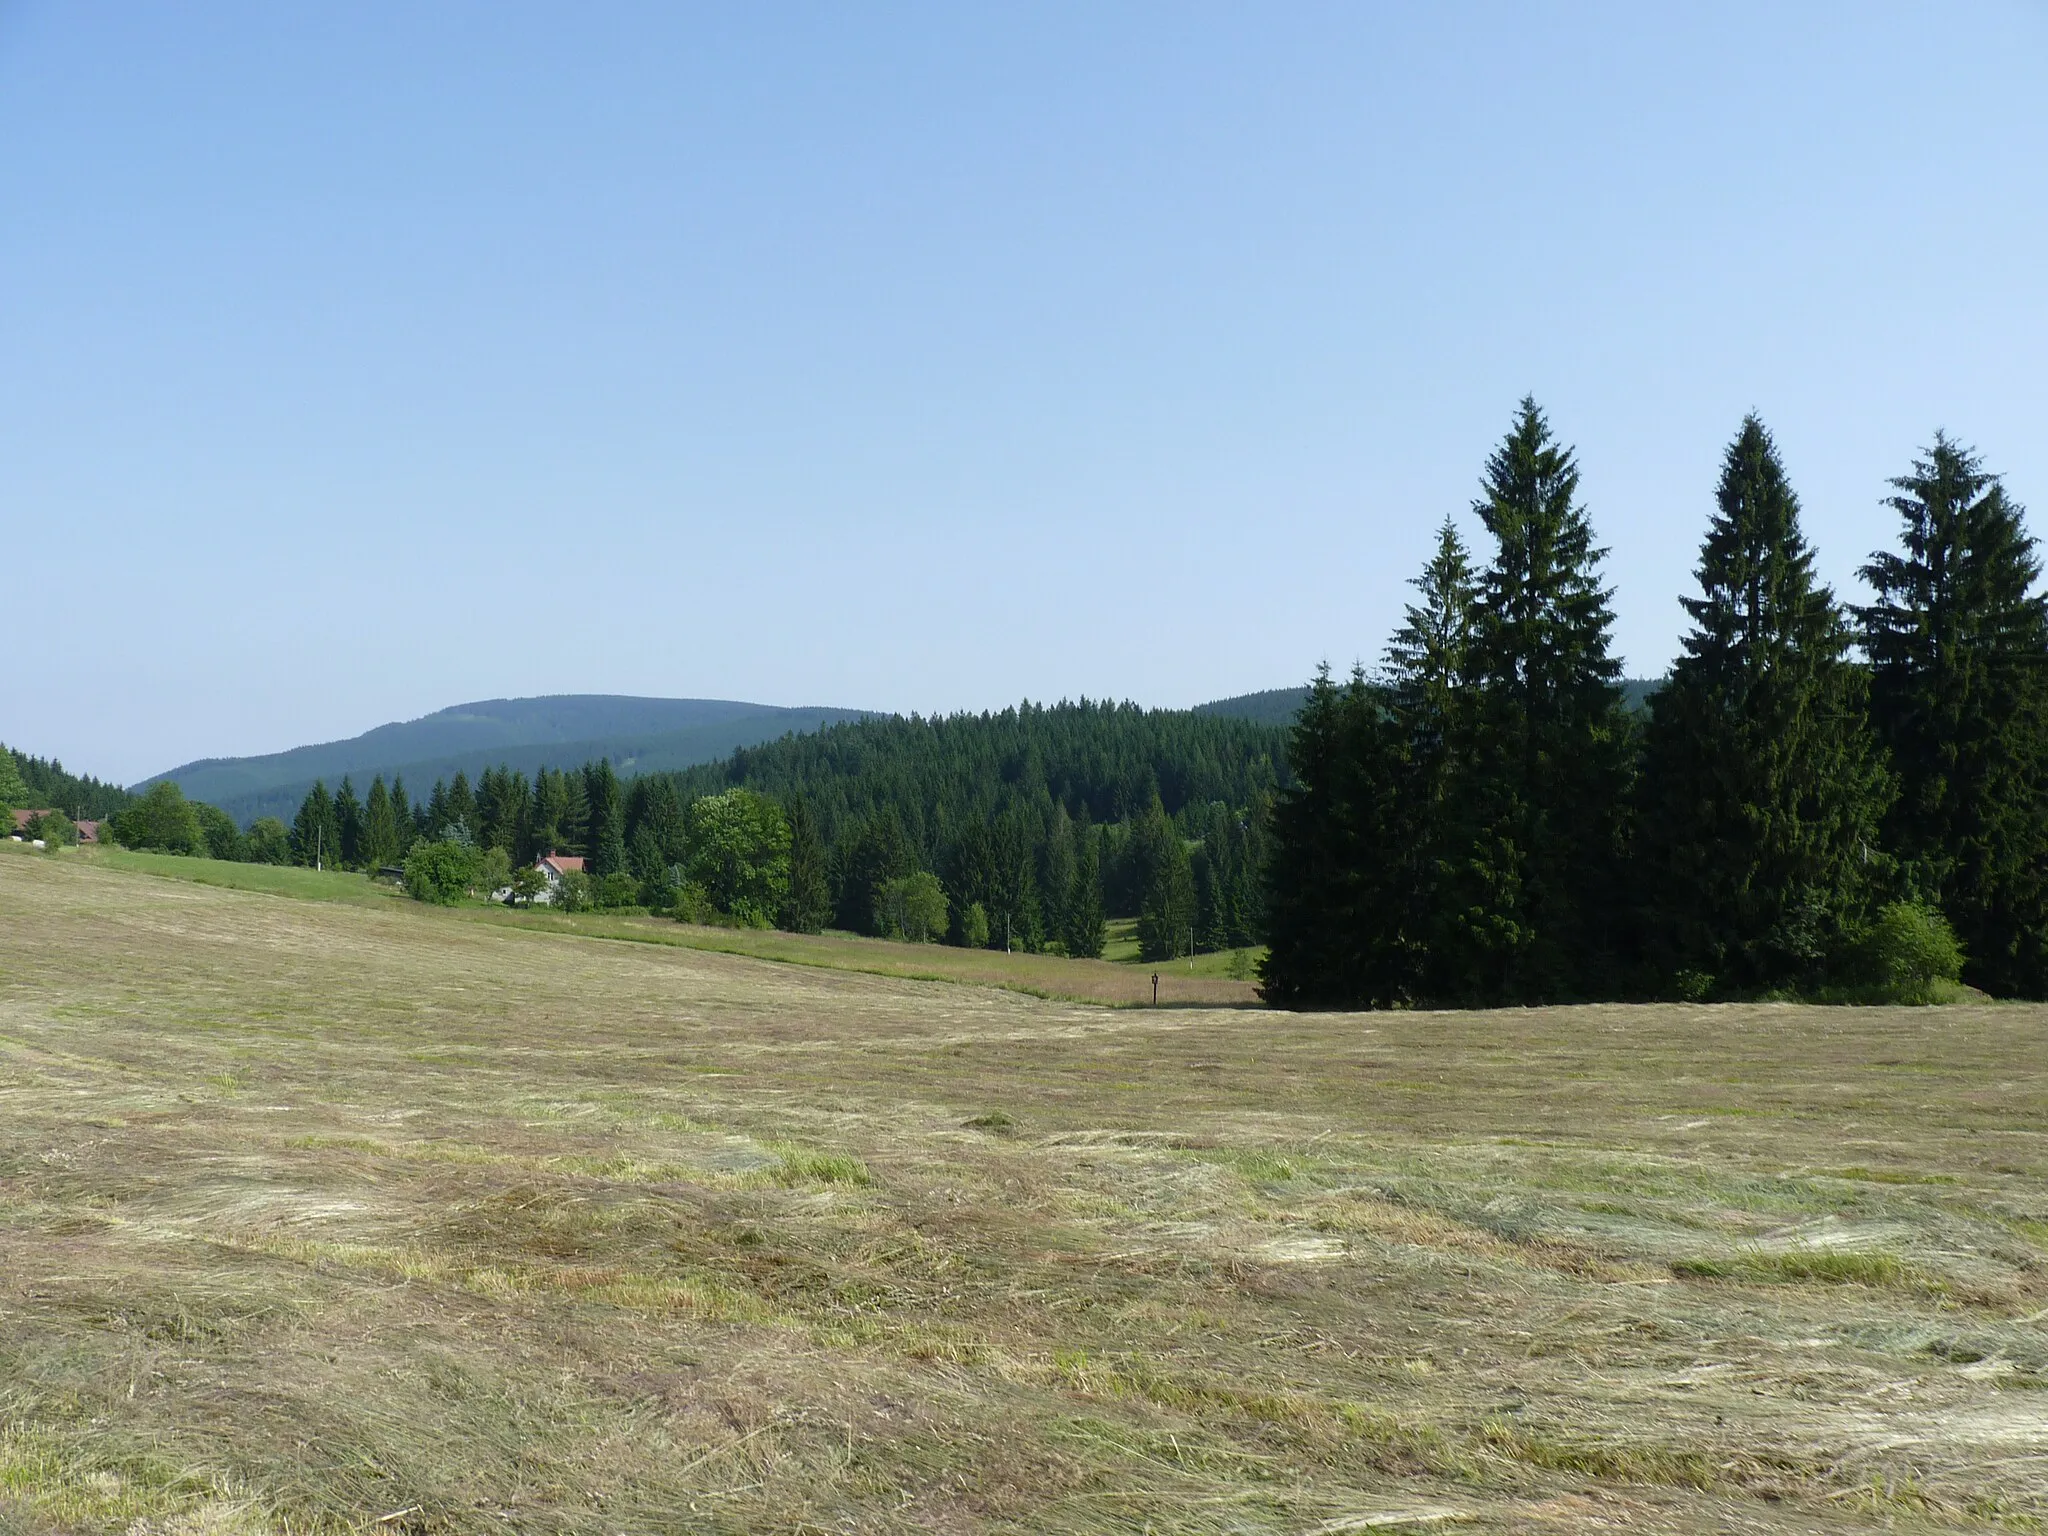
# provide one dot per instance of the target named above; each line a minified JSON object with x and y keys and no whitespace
{"x":23,"y":818}
{"x":562,"y":863}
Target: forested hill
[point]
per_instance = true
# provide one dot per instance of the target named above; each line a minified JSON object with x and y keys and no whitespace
{"x":636,"y":735}
{"x":937,"y":774}
{"x":1275,"y":706}
{"x":1279,"y":706}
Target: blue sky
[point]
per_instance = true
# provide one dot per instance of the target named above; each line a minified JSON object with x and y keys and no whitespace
{"x":359,"y":360}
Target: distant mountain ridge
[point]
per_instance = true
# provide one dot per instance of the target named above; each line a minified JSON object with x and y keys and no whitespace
{"x":1278,"y":706}
{"x":638,"y":735}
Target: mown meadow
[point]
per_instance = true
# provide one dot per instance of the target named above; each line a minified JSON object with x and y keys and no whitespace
{"x":362,"y":1215}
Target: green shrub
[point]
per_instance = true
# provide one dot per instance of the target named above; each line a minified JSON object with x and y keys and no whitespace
{"x":693,"y":905}
{"x":493,"y":872}
{"x":269,"y":841}
{"x":573,"y":893}
{"x":439,"y":872}
{"x":162,"y":821}
{"x":618,"y":889}
{"x":53,"y":828}
{"x":1693,"y":986}
{"x":1911,"y":954}
{"x":974,"y":926}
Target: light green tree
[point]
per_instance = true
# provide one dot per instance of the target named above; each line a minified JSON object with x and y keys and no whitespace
{"x":739,"y":855}
{"x":162,"y":820}
{"x":912,"y":907}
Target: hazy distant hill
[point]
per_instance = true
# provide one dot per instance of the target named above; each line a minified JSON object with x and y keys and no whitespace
{"x":1277,"y":706}
{"x":564,"y":730}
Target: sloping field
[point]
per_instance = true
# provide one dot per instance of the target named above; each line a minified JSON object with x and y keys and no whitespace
{"x":1052,"y":976}
{"x":318,"y":1216}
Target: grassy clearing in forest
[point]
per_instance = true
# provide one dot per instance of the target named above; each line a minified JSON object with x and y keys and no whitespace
{"x":1214,"y":981}
{"x":330,"y":1215}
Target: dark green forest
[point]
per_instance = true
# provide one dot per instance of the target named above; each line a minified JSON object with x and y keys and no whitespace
{"x":1024,"y":829}
{"x":1820,"y":800}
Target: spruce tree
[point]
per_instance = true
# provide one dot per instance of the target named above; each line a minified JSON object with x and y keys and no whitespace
{"x":1012,"y":900}
{"x":1328,"y":880}
{"x":348,"y":826}
{"x":606,"y":839}
{"x":314,"y":836}
{"x":402,"y":817}
{"x":550,"y":810}
{"x":1529,"y":910}
{"x":1958,"y":645}
{"x":875,"y":854}
{"x":459,"y":806}
{"x":1762,"y":787}
{"x":380,"y":827}
{"x":1056,"y":874}
{"x":808,"y":901}
{"x":657,"y":883}
{"x":1086,"y":930}
{"x":662,"y":814}
{"x":1166,"y":911}
{"x":1427,"y":669}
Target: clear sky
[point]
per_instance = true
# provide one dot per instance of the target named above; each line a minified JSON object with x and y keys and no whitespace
{"x":357,"y":360}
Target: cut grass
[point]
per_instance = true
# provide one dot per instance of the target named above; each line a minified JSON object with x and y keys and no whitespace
{"x":314,"y":1212}
{"x":1818,"y":1266}
{"x":1212,"y":983}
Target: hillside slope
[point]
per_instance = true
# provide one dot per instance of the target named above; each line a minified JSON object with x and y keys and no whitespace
{"x":638,"y":735}
{"x":1277,"y":706}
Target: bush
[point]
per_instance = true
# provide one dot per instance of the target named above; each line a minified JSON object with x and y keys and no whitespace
{"x":618,"y":889}
{"x":912,"y":907}
{"x":268,"y":841}
{"x":974,"y":926}
{"x":1911,"y":954}
{"x":162,"y":820}
{"x":219,"y":837}
{"x":493,"y":872}
{"x":693,"y":905}
{"x":572,"y":893}
{"x":439,"y":872}
{"x":53,"y":828}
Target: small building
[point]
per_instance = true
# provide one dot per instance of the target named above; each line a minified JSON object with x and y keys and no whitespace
{"x":553,"y":866}
{"x":88,"y":831}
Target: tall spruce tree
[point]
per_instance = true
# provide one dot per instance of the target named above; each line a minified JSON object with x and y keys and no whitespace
{"x":402,"y":815}
{"x":808,"y":900}
{"x":1427,"y":667}
{"x":1328,"y":884}
{"x":380,"y":827}
{"x":1762,"y":786}
{"x":1056,"y":874}
{"x":1531,"y":911}
{"x":459,"y":811}
{"x":606,"y":838}
{"x":1086,"y":932}
{"x":1958,"y":645}
{"x":348,"y":826}
{"x":1166,"y":913}
{"x":315,"y":838}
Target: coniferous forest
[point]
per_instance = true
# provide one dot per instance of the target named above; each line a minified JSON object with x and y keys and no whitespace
{"x":1027,"y":829}
{"x":1819,"y":800}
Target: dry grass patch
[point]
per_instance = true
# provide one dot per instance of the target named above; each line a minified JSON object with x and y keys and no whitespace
{"x":314,"y":1213}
